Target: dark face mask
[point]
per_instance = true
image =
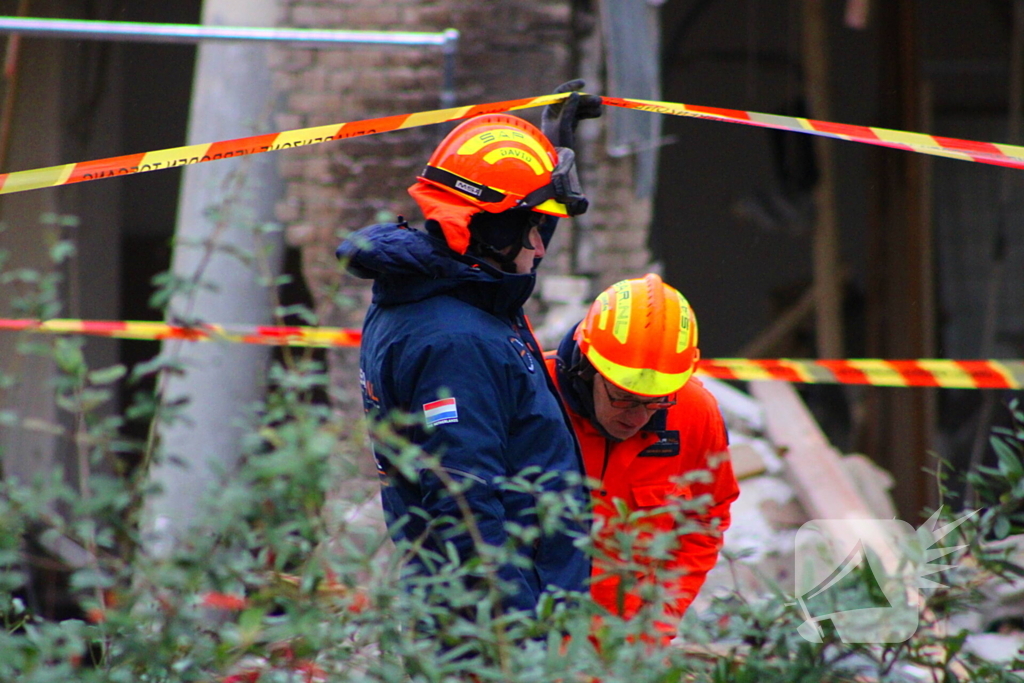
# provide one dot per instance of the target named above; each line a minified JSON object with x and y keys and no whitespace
{"x":501,"y":236}
{"x":502,"y":230}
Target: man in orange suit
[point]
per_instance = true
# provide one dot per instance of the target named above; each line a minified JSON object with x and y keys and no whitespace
{"x":644,"y":424}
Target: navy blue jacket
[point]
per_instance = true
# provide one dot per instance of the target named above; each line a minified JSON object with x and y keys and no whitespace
{"x":447,"y":326}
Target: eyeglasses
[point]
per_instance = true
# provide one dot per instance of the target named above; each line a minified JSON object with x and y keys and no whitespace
{"x":630,"y":404}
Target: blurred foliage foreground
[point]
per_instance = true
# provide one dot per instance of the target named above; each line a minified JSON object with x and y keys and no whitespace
{"x":283,"y":579}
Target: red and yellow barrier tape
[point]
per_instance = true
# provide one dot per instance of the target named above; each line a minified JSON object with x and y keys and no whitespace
{"x":994,"y":153}
{"x":936,"y":372}
{"x":968,"y":150}
{"x":157,"y":331}
{"x":53,"y":176}
{"x":926,"y":372}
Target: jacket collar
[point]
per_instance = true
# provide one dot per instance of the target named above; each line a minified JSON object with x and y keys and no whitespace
{"x":571,"y":390}
{"x":409,"y":265}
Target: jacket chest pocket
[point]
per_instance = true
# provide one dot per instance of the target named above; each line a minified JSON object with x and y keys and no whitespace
{"x":658,"y":495}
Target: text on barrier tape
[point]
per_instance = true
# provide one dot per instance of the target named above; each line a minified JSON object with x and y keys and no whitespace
{"x":968,"y":150}
{"x":20,"y":181}
{"x":935,"y":372}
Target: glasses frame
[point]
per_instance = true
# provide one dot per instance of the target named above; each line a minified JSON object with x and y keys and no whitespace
{"x":632,"y":404}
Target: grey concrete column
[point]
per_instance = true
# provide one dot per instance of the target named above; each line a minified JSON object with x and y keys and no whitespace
{"x":27,"y":452}
{"x":221,"y":204}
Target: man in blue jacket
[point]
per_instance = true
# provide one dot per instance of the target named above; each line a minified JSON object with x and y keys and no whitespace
{"x":445,"y":339}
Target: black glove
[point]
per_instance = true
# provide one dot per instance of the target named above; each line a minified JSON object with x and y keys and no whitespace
{"x":558,"y":121}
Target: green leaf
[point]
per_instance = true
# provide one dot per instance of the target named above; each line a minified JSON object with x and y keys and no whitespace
{"x":1009,"y":462}
{"x":90,"y":578}
{"x":155,"y":365}
{"x":62,"y":251}
{"x":107,"y":375}
{"x":250,"y":622}
{"x":68,"y":356}
{"x":20,"y":275}
{"x":301,"y":311}
{"x":1001,"y":529}
{"x":84,"y":401}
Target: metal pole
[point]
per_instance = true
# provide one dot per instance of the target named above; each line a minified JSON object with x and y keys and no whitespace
{"x":191,"y":33}
{"x":450,"y":47}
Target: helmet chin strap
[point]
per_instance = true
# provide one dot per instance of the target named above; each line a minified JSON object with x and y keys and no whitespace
{"x":506,"y":260}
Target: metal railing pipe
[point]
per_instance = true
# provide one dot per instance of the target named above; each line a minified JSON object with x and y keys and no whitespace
{"x":82,"y":29}
{"x":193,"y":33}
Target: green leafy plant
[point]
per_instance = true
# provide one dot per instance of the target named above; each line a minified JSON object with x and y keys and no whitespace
{"x":288,"y":575}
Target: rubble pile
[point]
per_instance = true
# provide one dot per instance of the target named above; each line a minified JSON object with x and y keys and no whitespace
{"x":776,"y":500}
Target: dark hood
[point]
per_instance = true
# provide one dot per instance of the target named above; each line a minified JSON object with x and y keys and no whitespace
{"x":574,"y":391}
{"x":409,"y":265}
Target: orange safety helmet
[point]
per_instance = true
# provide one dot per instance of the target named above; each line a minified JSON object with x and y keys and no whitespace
{"x":493,"y":163}
{"x":641,"y":335}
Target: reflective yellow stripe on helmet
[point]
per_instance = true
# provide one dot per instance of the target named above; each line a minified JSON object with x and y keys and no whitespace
{"x":481,"y":140}
{"x":643,"y":381}
{"x":684,"y":325}
{"x":530,"y":160}
{"x":623,"y":310}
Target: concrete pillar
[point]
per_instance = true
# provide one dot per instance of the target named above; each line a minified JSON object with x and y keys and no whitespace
{"x":37,"y":114}
{"x":221,"y":204}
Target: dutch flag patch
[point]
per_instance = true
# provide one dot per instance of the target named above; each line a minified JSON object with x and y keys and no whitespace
{"x":440,"y":412}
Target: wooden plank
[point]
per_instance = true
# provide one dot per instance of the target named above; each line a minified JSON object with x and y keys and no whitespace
{"x":746,"y":461}
{"x":873,"y":483}
{"x":813,"y":466}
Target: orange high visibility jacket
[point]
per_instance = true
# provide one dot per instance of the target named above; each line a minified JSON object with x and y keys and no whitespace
{"x":642,"y":472}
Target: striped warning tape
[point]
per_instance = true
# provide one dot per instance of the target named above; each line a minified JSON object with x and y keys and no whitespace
{"x":937,"y":372}
{"x":994,"y":153}
{"x":968,"y":150}
{"x":157,"y":331}
{"x":929,"y":372}
{"x":20,"y":181}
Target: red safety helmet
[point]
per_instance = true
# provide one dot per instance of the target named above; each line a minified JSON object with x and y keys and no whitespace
{"x":494,"y":163}
{"x":641,"y":335}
